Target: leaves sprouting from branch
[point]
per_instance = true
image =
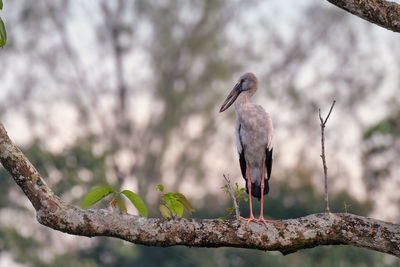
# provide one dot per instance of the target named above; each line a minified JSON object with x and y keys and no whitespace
{"x":173,"y":204}
{"x":101,"y":192}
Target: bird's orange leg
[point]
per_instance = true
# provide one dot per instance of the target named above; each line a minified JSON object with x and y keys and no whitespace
{"x":251,"y":219}
{"x":261,"y":219}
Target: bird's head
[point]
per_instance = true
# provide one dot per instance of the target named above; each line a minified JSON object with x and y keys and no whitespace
{"x":247,"y":84}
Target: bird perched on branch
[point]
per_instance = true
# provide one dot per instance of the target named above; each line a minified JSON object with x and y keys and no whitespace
{"x":254,"y":140}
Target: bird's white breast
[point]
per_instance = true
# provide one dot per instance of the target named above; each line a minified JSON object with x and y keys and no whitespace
{"x":255,"y":134}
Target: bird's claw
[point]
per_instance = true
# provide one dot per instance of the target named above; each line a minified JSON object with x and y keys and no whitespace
{"x":262,"y":220}
{"x":251,"y":219}
{"x":259,"y":220}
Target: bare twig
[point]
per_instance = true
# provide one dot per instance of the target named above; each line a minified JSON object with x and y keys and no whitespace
{"x":323,"y":124}
{"x":228,"y":184}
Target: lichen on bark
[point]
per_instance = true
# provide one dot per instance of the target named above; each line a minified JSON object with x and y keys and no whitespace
{"x":286,"y":236}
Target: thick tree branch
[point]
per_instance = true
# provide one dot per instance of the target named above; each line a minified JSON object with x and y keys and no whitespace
{"x":286,"y":236}
{"x":383,"y":13}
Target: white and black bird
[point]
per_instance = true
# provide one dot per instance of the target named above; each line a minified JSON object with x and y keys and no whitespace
{"x":254,"y":140}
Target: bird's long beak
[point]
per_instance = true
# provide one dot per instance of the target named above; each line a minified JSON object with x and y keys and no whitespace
{"x":231,"y":97}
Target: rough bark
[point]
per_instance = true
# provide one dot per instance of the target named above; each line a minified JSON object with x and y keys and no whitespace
{"x":286,"y":236}
{"x":383,"y":13}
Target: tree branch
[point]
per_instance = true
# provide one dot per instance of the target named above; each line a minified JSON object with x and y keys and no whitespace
{"x":323,"y":124}
{"x":286,"y":236}
{"x":383,"y":13}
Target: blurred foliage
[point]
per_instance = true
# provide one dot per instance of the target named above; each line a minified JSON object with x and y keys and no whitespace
{"x":24,"y":249}
{"x":381,"y":154}
{"x":382,"y":150}
{"x":389,"y":126}
{"x":3,"y":32}
{"x":79,"y":164}
{"x":5,"y":183}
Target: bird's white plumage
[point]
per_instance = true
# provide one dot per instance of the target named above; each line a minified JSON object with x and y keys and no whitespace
{"x":256,"y":135}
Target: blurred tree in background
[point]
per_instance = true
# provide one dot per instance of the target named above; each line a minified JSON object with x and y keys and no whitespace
{"x":126,"y":93}
{"x":380,"y":158}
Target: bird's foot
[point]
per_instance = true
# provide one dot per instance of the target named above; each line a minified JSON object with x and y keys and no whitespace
{"x":265,"y":221}
{"x":251,"y":219}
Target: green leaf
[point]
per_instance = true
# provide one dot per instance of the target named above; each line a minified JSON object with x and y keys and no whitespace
{"x":172,"y":201}
{"x":178,"y":207}
{"x":1,"y":4}
{"x":160,"y":187}
{"x":165,"y":212}
{"x":168,"y":198}
{"x":185,"y":202}
{"x":96,"y":195}
{"x":121,"y":205}
{"x":136,"y":201}
{"x":3,"y":34}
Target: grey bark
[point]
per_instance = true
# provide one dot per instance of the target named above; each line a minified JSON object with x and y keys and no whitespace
{"x":383,"y":13}
{"x":287,"y":236}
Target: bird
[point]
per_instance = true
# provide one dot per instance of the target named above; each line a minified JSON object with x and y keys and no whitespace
{"x":254,"y":135}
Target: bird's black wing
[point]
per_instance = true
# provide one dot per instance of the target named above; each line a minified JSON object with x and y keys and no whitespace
{"x":242,"y":159}
{"x":268,"y":161}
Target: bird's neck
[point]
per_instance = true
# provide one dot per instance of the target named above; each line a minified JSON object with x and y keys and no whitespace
{"x":242,"y":100}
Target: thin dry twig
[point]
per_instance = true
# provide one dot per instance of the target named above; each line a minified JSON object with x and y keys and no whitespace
{"x":323,"y":124}
{"x":228,"y":184}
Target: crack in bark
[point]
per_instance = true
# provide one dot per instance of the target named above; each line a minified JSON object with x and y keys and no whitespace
{"x":286,"y":236}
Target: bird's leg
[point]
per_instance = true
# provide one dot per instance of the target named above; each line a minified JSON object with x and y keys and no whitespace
{"x":251,"y":207}
{"x":261,"y":219}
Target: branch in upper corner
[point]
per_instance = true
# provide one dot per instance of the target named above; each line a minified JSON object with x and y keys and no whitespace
{"x":323,"y":124}
{"x":379,"y":12}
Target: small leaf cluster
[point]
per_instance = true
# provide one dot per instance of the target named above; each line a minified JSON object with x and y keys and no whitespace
{"x":101,"y":192}
{"x":173,"y":204}
{"x":3,"y":33}
{"x":240,"y":194}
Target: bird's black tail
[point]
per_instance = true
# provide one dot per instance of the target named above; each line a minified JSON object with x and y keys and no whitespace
{"x":256,"y":189}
